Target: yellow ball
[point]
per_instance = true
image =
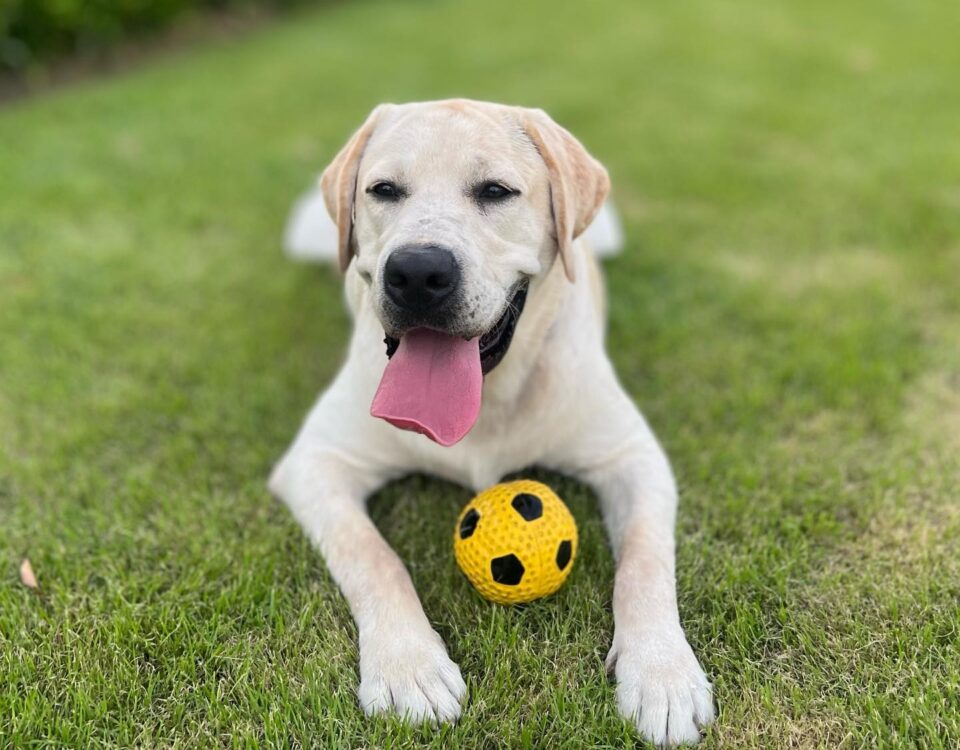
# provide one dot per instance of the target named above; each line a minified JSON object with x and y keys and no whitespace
{"x":516,"y":542}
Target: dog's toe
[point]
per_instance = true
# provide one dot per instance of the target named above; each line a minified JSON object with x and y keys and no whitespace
{"x":662,"y":690}
{"x":444,"y":692}
{"x":411,"y":677}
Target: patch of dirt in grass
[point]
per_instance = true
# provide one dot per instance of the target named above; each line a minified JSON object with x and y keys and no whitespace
{"x":931,"y":416}
{"x":917,"y":532}
{"x":876,"y":595}
{"x":809,"y":436}
{"x":832,"y":271}
{"x":861,"y":59}
{"x":933,"y":410}
{"x":950,"y":197}
{"x":770,"y":727}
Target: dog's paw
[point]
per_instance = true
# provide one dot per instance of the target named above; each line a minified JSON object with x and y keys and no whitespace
{"x":409,"y":675}
{"x":661,"y":687}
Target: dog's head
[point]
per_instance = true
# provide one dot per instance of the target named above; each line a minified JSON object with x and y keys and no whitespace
{"x":449,"y":208}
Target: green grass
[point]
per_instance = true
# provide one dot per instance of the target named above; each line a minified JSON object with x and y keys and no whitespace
{"x":787,"y":314}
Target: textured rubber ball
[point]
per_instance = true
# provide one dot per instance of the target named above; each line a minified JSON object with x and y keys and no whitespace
{"x":516,"y":542}
{"x":507,"y":570}
{"x":468,"y":523}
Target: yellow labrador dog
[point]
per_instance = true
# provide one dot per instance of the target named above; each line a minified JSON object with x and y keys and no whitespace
{"x":478,"y":350}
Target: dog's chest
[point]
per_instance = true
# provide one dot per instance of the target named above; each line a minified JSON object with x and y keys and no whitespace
{"x":510,"y":434}
{"x":477,"y":465}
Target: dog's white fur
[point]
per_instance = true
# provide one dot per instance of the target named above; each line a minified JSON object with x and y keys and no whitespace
{"x":311,"y":236}
{"x":554,"y":400}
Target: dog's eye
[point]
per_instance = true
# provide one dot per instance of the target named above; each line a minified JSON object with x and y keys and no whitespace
{"x":493,"y":191}
{"x":386,"y":190}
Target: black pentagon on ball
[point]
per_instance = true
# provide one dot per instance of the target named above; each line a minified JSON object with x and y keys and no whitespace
{"x":468,"y":524}
{"x":507,"y":570}
{"x":527,"y":505}
{"x":564,"y":551}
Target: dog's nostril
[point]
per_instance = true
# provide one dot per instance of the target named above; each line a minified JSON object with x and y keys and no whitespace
{"x":420,"y":277}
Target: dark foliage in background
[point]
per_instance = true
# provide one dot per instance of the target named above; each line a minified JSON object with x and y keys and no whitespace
{"x":36,"y":31}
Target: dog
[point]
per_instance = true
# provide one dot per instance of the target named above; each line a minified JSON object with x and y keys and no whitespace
{"x":478,"y":350}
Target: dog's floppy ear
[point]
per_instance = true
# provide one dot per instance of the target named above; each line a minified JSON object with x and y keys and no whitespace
{"x":339,"y":186}
{"x":578,"y":182}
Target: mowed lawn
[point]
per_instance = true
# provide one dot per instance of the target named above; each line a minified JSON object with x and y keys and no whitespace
{"x":786,"y":312}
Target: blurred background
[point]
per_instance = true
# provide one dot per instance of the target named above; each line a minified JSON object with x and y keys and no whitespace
{"x":785,"y":311}
{"x":34,"y":34}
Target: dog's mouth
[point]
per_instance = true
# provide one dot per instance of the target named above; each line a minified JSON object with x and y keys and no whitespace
{"x":433,"y":380}
{"x":496,"y":341}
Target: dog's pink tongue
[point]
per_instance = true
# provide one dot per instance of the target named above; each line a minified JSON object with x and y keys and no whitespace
{"x":431,"y":386}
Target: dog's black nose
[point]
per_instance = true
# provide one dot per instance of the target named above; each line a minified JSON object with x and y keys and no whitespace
{"x":418,"y":279}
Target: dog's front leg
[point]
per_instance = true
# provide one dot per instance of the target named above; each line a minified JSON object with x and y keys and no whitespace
{"x":660,"y":685}
{"x":404,"y":667}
